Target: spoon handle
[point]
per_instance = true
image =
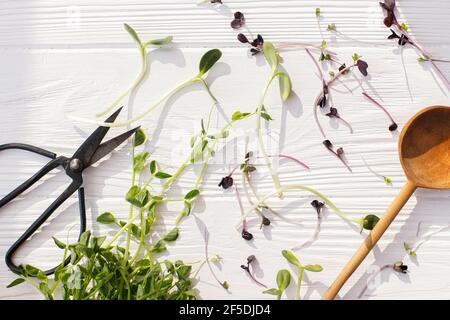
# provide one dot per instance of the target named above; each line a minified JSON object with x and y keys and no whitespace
{"x":371,"y":240}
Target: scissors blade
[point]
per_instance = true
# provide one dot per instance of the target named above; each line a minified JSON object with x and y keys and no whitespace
{"x":90,"y":145}
{"x":108,"y":146}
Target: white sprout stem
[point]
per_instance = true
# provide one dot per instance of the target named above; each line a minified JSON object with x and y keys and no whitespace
{"x":275,"y":178}
{"x":304,"y":188}
{"x":143,"y":114}
{"x":133,"y":86}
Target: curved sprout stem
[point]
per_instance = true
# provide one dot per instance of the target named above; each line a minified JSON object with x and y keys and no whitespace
{"x":327,"y":201}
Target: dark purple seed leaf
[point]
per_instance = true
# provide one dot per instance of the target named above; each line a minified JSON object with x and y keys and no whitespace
{"x":216,"y":1}
{"x":265,"y":221}
{"x":389,"y":19}
{"x":327,"y":143}
{"x":362,"y":67}
{"x":226,"y":182}
{"x":393,"y":127}
{"x":236,"y":24}
{"x":242,"y":38}
{"x":340,"y":151}
{"x":403,"y":40}
{"x":342,"y":67}
{"x":260,"y":39}
{"x":393,"y":35}
{"x":254,"y":51}
{"x":333,"y":112}
{"x":238,"y":15}
{"x":247,"y":235}
{"x":250,"y":259}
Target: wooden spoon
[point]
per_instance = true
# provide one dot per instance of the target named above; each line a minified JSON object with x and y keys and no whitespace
{"x":424,"y":151}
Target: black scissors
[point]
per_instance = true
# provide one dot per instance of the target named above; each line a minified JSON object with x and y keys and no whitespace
{"x":87,"y":154}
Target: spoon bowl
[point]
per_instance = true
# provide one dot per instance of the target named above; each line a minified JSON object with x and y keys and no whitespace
{"x":424,"y":148}
{"x":424,"y":151}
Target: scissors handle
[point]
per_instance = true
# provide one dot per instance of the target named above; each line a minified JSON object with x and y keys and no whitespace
{"x":74,"y":186}
{"x":53,"y":164}
{"x":28,"y":147}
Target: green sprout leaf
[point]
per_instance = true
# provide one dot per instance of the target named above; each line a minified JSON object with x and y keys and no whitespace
{"x":106,"y":218}
{"x":172,"y":235}
{"x":137,"y":197}
{"x":387,"y":180}
{"x":291,"y":258}
{"x":159,"y":247}
{"x":208,"y":60}
{"x":239,"y":115}
{"x":314,"y":267}
{"x":16,"y":282}
{"x":422,"y":58}
{"x":285,"y":85}
{"x":404,"y":26}
{"x":160,"y":42}
{"x":370,"y":221}
{"x":271,"y":55}
{"x":192,"y":194}
{"x":317,"y":12}
{"x":331,"y":27}
{"x":225,"y":285}
{"x":409,"y":250}
{"x":162,"y":175}
{"x":283,"y":279}
{"x":140,"y":160}
{"x":139,"y":137}
{"x":273,"y":291}
{"x":153,"y":167}
{"x":132,"y":33}
{"x":266,"y":116}
{"x":58,"y":243}
{"x":356,"y":57}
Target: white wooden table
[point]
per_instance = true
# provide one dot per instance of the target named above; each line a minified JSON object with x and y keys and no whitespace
{"x":61,"y":57}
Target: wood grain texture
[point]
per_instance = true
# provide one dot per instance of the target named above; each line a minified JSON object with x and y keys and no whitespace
{"x":53,"y":66}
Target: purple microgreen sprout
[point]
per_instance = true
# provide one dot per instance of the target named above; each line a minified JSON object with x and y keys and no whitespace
{"x":223,"y":284}
{"x":386,"y":179}
{"x":318,"y":206}
{"x":238,"y":21}
{"x":251,"y":259}
{"x":335,"y":114}
{"x":256,"y":45}
{"x":393,"y":126}
{"x":292,"y":259}
{"x":397,"y":266}
{"x":339,"y":153}
{"x":391,"y":20}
